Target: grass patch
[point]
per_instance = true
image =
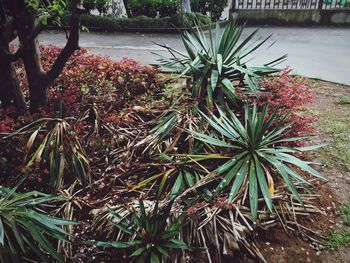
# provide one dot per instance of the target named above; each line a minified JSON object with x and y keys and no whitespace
{"x":345,"y":212}
{"x":337,"y":240}
{"x":336,"y":128}
{"x":344,"y":100}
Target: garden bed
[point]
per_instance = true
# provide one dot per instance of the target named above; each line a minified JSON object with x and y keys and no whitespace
{"x":333,"y":112}
{"x":208,"y":165}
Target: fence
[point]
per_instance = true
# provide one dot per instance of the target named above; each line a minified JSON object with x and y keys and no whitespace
{"x":288,"y":4}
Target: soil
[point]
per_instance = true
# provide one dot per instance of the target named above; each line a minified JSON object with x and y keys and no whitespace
{"x":278,"y":246}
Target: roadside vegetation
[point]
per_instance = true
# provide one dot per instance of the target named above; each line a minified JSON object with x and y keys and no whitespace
{"x":152,"y":168}
{"x":336,"y":126}
{"x":111,"y":24}
{"x":338,"y":239}
{"x":150,"y":15}
{"x":332,"y":128}
{"x":111,"y":161}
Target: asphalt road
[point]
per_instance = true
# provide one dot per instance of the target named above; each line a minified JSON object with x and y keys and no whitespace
{"x":317,"y":52}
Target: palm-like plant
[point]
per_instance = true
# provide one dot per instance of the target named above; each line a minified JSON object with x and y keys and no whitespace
{"x":25,"y":230}
{"x":148,"y":232}
{"x":218,"y":63}
{"x":258,"y":153}
{"x":58,"y":148}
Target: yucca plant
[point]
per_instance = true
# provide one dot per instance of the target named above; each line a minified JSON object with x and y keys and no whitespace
{"x":148,"y":233}
{"x":25,"y":230}
{"x":179,"y":173}
{"x":259,"y":155}
{"x":179,"y":116}
{"x":218,"y":62}
{"x":173,"y":180}
{"x":58,"y":149}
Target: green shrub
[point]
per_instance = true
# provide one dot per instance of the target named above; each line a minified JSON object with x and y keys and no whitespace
{"x":218,"y":64}
{"x":259,"y":154}
{"x":122,"y":23}
{"x":148,"y":233}
{"x":189,"y":20}
{"x":344,"y":100}
{"x":338,"y":240}
{"x":216,"y":7}
{"x":54,"y":146}
{"x":170,"y":7}
{"x":116,"y":24}
{"x":345,"y":212}
{"x":89,"y":5}
{"x":102,"y":6}
{"x":25,"y":230}
{"x":151,"y":7}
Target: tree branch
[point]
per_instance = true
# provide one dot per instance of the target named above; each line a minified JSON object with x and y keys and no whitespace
{"x":71,"y":45}
{"x":6,"y":55}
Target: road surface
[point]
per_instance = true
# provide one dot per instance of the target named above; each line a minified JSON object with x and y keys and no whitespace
{"x":317,"y":52}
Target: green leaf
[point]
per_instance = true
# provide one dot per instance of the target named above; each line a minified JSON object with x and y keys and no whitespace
{"x":285,"y":177}
{"x":263,"y":183}
{"x":311,"y":147}
{"x":228,"y":84}
{"x":214,"y":79}
{"x":138,"y":252}
{"x":238,"y":161}
{"x":162,"y":251}
{"x":238,"y":182}
{"x":177,"y":185}
{"x":119,"y":244}
{"x":219,"y":62}
{"x":154,"y":258}
{"x":177,"y":244}
{"x":210,"y":140}
{"x":147,"y":181}
{"x":253,"y":191}
{"x":301,"y":164}
{"x":2,"y":232}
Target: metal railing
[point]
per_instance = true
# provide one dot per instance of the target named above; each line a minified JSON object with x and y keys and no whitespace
{"x":288,"y":4}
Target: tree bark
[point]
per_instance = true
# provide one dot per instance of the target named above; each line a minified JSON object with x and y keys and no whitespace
{"x":127,"y":9}
{"x":10,"y":91}
{"x":25,"y":24}
{"x":186,"y":6}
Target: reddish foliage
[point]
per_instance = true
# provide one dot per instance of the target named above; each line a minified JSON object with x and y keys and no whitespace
{"x":90,"y":89}
{"x":7,"y":124}
{"x":86,"y":79}
{"x":289,"y":94}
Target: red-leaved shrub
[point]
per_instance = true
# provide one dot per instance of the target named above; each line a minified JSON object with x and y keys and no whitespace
{"x":289,"y":94}
{"x":86,"y":79}
{"x":91,"y":92}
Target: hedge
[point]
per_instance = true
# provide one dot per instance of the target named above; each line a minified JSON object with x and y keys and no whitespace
{"x":110,"y":24}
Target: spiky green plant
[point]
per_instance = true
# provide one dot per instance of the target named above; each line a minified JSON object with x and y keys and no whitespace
{"x":218,"y":63}
{"x":148,"y":233}
{"x":25,"y":230}
{"x":58,"y":149}
{"x":258,"y":154}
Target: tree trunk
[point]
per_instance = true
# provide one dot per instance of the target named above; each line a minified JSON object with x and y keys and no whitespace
{"x":10,"y":91}
{"x":186,"y":6}
{"x":127,"y":9}
{"x":28,"y":29}
{"x":38,"y":85}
